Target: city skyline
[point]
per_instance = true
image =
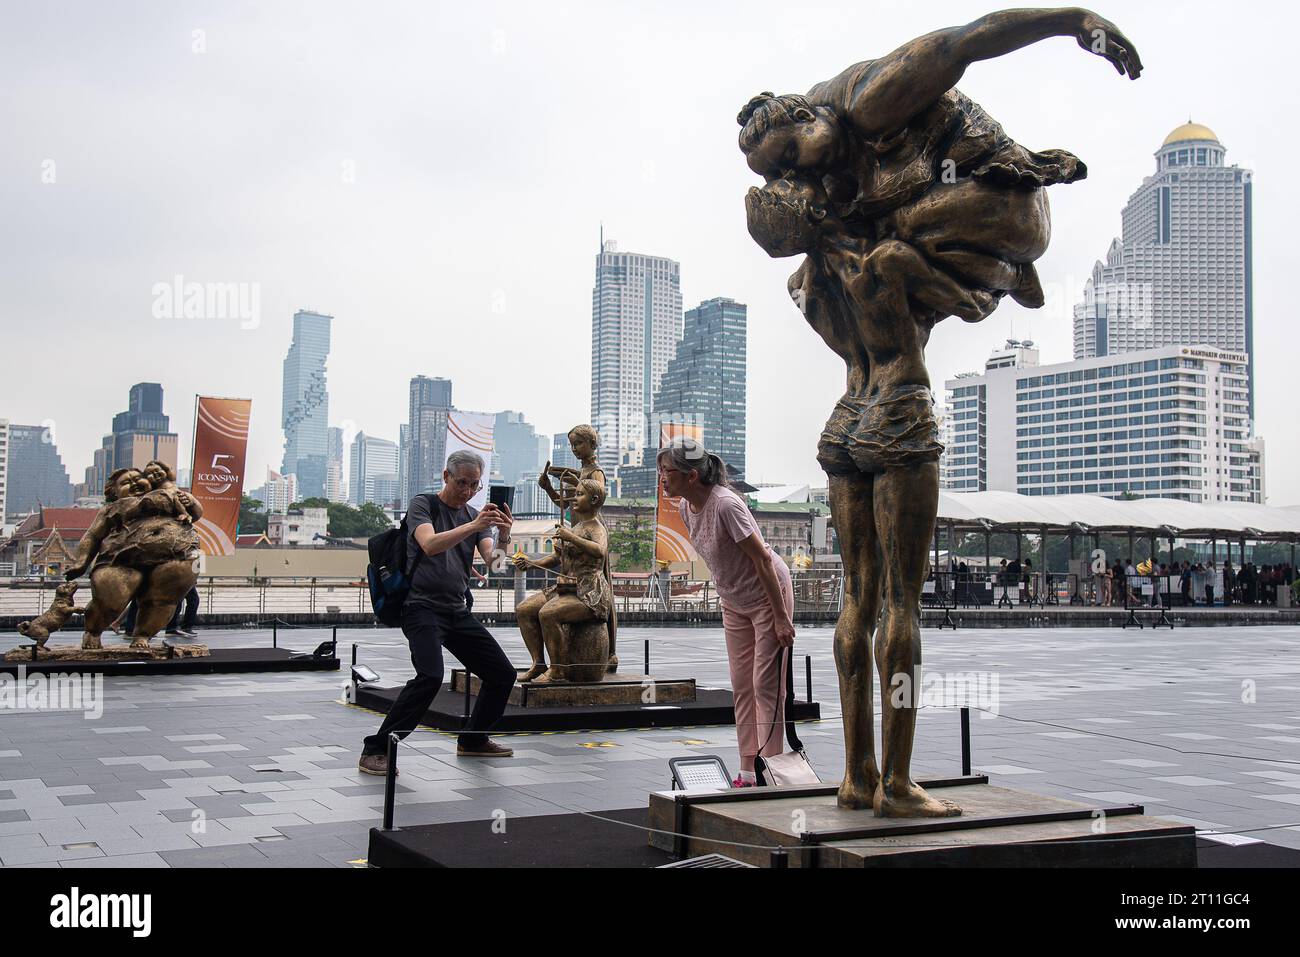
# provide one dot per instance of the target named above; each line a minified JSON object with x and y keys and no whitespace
{"x":389,"y":247}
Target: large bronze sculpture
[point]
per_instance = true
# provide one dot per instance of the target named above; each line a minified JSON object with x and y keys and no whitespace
{"x":584,"y":440}
{"x":910,"y":204}
{"x":567,"y":622}
{"x":141,"y":546}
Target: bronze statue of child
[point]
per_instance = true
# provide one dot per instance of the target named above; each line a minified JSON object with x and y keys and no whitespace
{"x":581,"y":593}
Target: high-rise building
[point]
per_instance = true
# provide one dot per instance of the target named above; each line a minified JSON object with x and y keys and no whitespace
{"x":530,"y":501}
{"x":403,"y":464}
{"x":279,"y":492}
{"x":516,"y":447}
{"x":430,"y":401}
{"x":334,"y":466}
{"x":4,"y":467}
{"x":1169,"y":423}
{"x":704,"y":382}
{"x":373,"y":473}
{"x":305,"y":408}
{"x":35,"y":475}
{"x":636,"y":322}
{"x":562,"y":452}
{"x":1181,"y":271}
{"x":140,"y":435}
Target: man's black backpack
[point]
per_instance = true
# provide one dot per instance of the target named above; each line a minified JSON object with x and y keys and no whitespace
{"x":387,"y":575}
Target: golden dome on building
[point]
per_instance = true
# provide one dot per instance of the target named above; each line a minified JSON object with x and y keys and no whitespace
{"x":1190,"y":131}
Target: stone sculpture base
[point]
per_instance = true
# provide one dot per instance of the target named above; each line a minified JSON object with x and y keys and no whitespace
{"x":998,"y":827}
{"x":155,"y":652}
{"x":606,"y":690}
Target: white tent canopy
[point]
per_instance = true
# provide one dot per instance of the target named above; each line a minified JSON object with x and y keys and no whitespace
{"x":1007,"y":511}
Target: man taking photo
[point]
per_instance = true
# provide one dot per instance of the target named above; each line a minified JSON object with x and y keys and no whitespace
{"x":444,"y":532}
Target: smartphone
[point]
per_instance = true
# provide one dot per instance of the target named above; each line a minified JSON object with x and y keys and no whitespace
{"x":501,"y":496}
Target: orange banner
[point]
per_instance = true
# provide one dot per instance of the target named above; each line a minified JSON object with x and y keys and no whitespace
{"x":672,"y":543}
{"x":217,"y":479}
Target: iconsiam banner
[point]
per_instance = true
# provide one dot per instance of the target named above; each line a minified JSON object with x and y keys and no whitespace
{"x":472,"y":432}
{"x":672,"y":543}
{"x":220,"y":446}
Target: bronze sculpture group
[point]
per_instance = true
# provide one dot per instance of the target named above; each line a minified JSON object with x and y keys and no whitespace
{"x":141,"y":547}
{"x":572,"y":622}
{"x":910,"y":204}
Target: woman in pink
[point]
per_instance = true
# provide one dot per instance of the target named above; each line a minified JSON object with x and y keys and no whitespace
{"x":755,"y":591}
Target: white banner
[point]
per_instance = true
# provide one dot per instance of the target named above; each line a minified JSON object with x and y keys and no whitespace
{"x":472,"y":432}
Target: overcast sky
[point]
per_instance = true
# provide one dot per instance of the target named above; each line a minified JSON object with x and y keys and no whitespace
{"x":434,"y":175}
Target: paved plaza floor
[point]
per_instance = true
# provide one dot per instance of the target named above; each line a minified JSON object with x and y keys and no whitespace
{"x":1201,"y":725}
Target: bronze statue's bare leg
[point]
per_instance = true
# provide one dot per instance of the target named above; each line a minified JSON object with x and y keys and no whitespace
{"x":112,"y":589}
{"x":906,"y":502}
{"x":530,"y":627}
{"x":152,"y":618}
{"x":167,"y":585}
{"x":850,"y":497}
{"x":559,"y":611}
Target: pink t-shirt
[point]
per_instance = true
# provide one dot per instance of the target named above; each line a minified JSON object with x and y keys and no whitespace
{"x":715,"y":530}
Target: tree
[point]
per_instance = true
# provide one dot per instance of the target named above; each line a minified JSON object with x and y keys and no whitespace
{"x":252,"y":518}
{"x":345,"y":521}
{"x":632,"y":542}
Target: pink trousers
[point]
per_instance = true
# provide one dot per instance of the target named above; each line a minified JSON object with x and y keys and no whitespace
{"x":756,"y":677}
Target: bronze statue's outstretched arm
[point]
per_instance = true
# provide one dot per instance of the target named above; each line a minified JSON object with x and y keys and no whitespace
{"x":902,"y":84}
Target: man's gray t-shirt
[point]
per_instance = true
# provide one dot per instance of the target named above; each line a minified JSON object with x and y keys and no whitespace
{"x":440,"y":580}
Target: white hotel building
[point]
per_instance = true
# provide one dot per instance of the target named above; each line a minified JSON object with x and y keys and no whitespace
{"x":1170,"y":422}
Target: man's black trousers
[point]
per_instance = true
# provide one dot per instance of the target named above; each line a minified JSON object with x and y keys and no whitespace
{"x":428,"y":630}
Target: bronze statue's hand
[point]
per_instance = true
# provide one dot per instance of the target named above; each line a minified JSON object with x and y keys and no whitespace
{"x":1100,"y":36}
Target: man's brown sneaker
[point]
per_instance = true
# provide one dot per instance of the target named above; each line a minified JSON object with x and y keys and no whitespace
{"x":374,"y":764}
{"x":488,"y":749}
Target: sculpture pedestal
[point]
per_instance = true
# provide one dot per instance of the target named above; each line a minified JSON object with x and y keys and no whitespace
{"x":115,"y":652}
{"x":609,"y":689}
{"x":998,"y":827}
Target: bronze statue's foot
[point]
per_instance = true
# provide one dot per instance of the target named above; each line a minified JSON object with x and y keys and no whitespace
{"x":139,"y":643}
{"x":546,"y":677}
{"x":91,"y":642}
{"x":857,"y":795}
{"x":533,"y":673}
{"x":613,"y":664}
{"x":911,"y":801}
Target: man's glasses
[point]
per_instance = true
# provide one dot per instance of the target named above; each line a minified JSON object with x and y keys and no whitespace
{"x":466,"y":485}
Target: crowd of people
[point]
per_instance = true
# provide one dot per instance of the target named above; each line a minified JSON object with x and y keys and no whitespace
{"x":1200,"y":583}
{"x":1126,"y":583}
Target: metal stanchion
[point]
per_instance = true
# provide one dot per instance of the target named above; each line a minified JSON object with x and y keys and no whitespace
{"x":779,"y":859}
{"x":390,"y":782}
{"x":275,"y":638}
{"x":965,"y":741}
{"x":807,"y":676}
{"x":647,"y":656}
